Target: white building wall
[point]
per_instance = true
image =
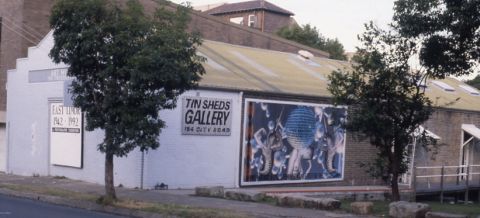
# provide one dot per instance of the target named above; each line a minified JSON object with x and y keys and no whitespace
{"x":3,"y":148}
{"x":28,"y":134}
{"x":186,"y":161}
{"x":181,"y":161}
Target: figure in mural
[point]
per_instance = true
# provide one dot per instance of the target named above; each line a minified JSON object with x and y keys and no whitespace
{"x":300,"y":131}
{"x":307,"y":143}
{"x":272,"y":143}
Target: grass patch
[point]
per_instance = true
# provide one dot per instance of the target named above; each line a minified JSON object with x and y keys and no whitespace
{"x":60,"y":177}
{"x":472,"y":210}
{"x":269,"y":200}
{"x":164,"y":209}
{"x":380,"y":208}
{"x":50,"y":191}
{"x":177,"y":210}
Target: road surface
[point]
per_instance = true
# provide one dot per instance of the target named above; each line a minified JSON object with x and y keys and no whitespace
{"x":18,"y":207}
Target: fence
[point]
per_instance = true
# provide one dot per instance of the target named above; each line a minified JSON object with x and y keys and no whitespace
{"x":433,"y":179}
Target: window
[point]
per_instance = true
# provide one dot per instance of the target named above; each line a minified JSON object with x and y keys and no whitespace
{"x":252,"y":20}
{"x":237,"y":20}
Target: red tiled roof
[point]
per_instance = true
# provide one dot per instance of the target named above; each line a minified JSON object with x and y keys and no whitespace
{"x":248,"y":6}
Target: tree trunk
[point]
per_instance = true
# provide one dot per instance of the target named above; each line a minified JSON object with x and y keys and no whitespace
{"x":109,"y":187}
{"x":394,"y":186}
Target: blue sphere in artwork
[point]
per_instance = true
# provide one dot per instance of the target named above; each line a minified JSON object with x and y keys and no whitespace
{"x":300,"y":127}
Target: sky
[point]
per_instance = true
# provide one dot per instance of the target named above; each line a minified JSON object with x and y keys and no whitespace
{"x":342,"y":19}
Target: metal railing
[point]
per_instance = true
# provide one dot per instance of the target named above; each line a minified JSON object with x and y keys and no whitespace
{"x":462,"y":179}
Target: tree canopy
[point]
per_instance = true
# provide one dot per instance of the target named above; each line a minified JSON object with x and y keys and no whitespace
{"x":309,"y":36}
{"x":475,"y":82}
{"x":448,"y":30}
{"x":127,"y":66}
{"x":387,"y":100}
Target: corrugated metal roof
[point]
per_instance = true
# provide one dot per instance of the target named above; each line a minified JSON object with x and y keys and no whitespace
{"x":248,"y":6}
{"x":242,"y":68}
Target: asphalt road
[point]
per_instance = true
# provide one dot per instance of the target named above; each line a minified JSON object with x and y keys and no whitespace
{"x":24,"y":208}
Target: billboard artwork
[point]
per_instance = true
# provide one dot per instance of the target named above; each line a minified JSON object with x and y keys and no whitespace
{"x":292,"y":142}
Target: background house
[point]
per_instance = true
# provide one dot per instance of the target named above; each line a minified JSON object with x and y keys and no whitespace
{"x":258,"y":14}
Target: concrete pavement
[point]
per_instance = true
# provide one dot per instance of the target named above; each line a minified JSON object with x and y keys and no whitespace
{"x":178,"y":197}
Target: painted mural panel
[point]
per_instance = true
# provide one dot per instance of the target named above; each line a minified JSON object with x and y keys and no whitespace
{"x":292,"y":142}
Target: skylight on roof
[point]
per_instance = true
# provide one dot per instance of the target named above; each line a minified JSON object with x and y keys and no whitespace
{"x":469,"y":89}
{"x":443,"y":86}
{"x":307,"y":70}
{"x":254,"y":64}
{"x":213,"y":64}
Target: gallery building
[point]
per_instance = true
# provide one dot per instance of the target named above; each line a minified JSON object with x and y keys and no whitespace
{"x":24,"y":23}
{"x":258,"y":117}
{"x":262,"y":115}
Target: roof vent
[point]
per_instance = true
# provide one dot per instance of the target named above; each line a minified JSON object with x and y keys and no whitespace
{"x":444,"y":86}
{"x":305,"y":54}
{"x":469,"y":89}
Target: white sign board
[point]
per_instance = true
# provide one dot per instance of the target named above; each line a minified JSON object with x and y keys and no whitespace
{"x":66,"y":129}
{"x":206,"y":116}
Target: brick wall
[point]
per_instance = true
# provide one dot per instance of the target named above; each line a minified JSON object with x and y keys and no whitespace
{"x":446,"y":124}
{"x":274,"y":22}
{"x":11,"y":44}
{"x":218,"y":29}
{"x":244,"y":15}
{"x":24,"y":24}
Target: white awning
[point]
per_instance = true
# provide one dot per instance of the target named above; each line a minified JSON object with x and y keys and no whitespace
{"x":430,"y":134}
{"x":472,"y":130}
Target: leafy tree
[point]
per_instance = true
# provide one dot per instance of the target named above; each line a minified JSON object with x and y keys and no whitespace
{"x":448,"y":30}
{"x":309,"y":36}
{"x":475,"y":82}
{"x":387,"y":100}
{"x":127,"y":66}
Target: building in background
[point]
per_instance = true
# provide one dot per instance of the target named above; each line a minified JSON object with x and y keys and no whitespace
{"x":22,"y":24}
{"x":208,"y":6}
{"x":257,"y":14}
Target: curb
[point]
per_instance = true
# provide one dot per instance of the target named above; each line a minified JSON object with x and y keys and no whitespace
{"x":86,"y":205}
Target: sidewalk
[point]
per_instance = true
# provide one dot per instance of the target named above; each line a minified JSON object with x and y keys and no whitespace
{"x":176,"y":197}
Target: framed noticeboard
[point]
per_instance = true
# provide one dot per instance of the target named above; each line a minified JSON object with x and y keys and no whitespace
{"x":66,"y":135}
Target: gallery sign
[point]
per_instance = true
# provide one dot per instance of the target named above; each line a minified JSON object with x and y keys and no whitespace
{"x":206,"y":116}
{"x":48,"y":75}
{"x":66,"y":129}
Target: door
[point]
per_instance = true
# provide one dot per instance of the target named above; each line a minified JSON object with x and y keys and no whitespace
{"x":3,"y":148}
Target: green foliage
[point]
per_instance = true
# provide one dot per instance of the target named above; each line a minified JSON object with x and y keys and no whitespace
{"x":475,"y":82}
{"x":309,"y":36}
{"x":127,"y":66}
{"x":448,"y":30}
{"x":388,"y":102}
